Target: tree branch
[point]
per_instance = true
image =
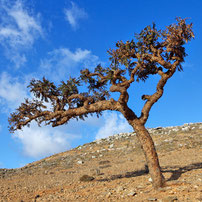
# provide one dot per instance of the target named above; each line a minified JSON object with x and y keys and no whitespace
{"x":61,"y":117}
{"x":159,"y":59}
{"x":151,"y":99}
{"x":155,"y":52}
{"x":86,"y":100}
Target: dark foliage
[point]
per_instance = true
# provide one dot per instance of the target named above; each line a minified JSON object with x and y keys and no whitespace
{"x":151,"y":52}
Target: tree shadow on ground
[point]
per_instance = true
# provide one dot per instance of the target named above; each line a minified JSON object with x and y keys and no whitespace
{"x":127,"y":175}
{"x":176,"y":172}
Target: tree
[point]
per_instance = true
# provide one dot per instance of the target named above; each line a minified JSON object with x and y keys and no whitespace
{"x":155,"y":52}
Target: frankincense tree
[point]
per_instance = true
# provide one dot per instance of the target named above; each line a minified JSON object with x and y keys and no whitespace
{"x":153,"y":51}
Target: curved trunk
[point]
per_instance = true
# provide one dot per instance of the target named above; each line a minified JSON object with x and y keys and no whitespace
{"x":148,"y":147}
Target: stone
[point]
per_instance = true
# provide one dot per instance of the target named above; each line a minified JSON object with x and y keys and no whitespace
{"x":119,"y":189}
{"x":185,"y":129}
{"x":140,"y":186}
{"x":80,"y":162}
{"x":164,"y":189}
{"x":168,"y":140}
{"x":37,"y":196}
{"x":133,"y":193}
{"x":108,"y":194}
{"x":152,"y":199}
{"x":175,"y":129}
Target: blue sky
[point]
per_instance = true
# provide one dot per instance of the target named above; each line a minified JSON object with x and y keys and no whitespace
{"x":58,"y":38}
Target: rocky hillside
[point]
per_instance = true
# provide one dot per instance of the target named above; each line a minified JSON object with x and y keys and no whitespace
{"x":113,"y":169}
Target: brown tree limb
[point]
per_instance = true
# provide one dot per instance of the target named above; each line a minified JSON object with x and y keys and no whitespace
{"x":64,"y":116}
{"x":151,"y":99}
{"x":86,"y":100}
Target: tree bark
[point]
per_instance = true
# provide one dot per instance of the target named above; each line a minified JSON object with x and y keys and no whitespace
{"x":151,"y":156}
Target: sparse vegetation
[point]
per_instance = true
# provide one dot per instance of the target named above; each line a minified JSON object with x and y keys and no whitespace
{"x":127,"y":174}
{"x":86,"y":178}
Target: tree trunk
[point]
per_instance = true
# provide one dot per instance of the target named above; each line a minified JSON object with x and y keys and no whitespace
{"x":148,"y":147}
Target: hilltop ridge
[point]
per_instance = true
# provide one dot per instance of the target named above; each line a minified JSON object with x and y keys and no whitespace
{"x":112,"y":169}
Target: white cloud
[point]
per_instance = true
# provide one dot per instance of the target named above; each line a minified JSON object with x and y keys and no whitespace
{"x":62,"y":63}
{"x":12,"y":91}
{"x":74,"y":14}
{"x":113,"y":124}
{"x":36,"y":141}
{"x":43,"y":141}
{"x":18,"y":30}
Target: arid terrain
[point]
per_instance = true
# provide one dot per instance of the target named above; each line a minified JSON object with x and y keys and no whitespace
{"x":113,"y":169}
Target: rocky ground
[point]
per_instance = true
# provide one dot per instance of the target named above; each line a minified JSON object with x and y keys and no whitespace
{"x":113,"y":169}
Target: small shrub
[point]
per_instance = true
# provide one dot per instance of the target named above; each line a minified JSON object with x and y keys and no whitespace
{"x":86,"y":178}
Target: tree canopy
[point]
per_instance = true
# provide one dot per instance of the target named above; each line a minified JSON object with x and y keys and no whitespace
{"x":151,"y":52}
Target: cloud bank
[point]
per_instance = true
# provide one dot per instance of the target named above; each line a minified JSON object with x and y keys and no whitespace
{"x":62,"y":63}
{"x":42,"y":141}
{"x":18,"y":30}
{"x":39,"y":142}
{"x":12,"y":92}
{"x":113,"y":123}
{"x":74,"y":14}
